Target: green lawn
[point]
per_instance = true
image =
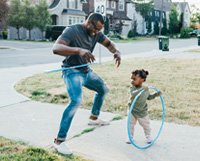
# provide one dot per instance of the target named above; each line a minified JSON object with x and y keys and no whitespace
{"x":11,"y":150}
{"x":178,"y":79}
{"x":137,"y":39}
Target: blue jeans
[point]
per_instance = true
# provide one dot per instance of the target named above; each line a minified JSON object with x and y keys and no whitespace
{"x":74,"y":81}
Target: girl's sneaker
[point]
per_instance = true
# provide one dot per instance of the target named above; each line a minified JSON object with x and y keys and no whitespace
{"x":128,"y":140}
{"x":149,"y":140}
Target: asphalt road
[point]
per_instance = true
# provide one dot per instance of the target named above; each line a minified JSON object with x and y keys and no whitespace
{"x":32,"y":53}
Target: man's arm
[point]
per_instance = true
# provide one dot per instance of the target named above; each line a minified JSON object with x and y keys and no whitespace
{"x":113,"y":49}
{"x":61,"y":48}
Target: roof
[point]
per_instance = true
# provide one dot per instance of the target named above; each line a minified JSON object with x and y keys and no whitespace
{"x":54,"y":4}
{"x":182,"y":5}
{"x":120,"y":14}
{"x":74,"y":12}
{"x":166,"y":5}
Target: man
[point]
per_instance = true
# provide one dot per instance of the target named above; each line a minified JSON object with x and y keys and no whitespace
{"x":77,"y":43}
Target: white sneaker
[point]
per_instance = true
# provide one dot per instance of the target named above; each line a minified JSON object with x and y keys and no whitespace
{"x":149,"y":140}
{"x":62,"y":148}
{"x":98,"y":122}
{"x":128,"y":140}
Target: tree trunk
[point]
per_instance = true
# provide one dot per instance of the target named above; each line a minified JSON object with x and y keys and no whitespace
{"x":42,"y":35}
{"x":143,"y":26}
{"x":29,"y":31}
{"x":18,"y":37}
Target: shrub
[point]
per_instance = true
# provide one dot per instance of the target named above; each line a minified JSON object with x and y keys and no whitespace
{"x":123,"y":37}
{"x":185,"y":32}
{"x":117,"y":37}
{"x":130,"y":34}
{"x":4,"y":32}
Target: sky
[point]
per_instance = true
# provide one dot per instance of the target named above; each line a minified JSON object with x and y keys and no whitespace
{"x":191,"y":2}
{"x":196,"y":2}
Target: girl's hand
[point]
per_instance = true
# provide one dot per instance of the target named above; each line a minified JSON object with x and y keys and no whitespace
{"x":146,"y":88}
{"x":159,"y":93}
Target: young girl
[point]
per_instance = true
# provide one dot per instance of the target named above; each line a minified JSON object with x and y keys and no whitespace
{"x":140,"y":110}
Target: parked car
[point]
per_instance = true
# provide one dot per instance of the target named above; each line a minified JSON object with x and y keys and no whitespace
{"x":54,"y":31}
{"x":195,"y":32}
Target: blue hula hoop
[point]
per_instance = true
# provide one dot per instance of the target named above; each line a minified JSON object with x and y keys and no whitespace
{"x":144,"y":147}
{"x":72,"y":67}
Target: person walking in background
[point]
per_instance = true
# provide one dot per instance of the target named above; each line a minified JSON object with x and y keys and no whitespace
{"x":140,"y":109}
{"x":77,"y":43}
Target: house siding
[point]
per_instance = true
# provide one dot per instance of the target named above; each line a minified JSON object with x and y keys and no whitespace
{"x":62,"y":18}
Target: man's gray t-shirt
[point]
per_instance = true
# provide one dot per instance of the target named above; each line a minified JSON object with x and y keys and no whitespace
{"x":75,"y":36}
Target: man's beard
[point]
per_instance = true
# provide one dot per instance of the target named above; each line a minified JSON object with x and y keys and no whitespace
{"x":89,"y":31}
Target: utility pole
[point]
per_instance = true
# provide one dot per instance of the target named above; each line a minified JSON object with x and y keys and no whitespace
{"x":161,"y":15}
{"x":183,"y":14}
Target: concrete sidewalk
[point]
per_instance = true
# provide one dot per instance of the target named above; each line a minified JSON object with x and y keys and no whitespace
{"x":37,"y":123}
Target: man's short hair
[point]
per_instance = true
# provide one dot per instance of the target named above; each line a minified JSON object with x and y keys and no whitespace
{"x":95,"y":17}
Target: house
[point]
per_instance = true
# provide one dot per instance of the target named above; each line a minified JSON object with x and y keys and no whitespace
{"x":183,"y":7}
{"x":35,"y":33}
{"x":67,"y":12}
{"x":164,"y":6}
{"x":116,"y":13}
{"x":134,"y":16}
{"x":155,"y":14}
{"x":63,"y":12}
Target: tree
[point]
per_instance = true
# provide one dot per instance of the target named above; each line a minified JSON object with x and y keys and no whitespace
{"x":164,"y":29}
{"x":15,"y":15}
{"x":195,"y":17}
{"x":106,"y":26}
{"x":193,"y":26}
{"x":134,"y":28}
{"x":156,"y":28}
{"x":180,"y":24}
{"x":117,"y":27}
{"x":173,"y":20}
{"x":28,"y":19}
{"x":42,"y":15}
{"x":143,"y":8}
{"x":185,"y":32}
{"x":149,"y":27}
{"x":130,"y":34}
{"x":3,"y":10}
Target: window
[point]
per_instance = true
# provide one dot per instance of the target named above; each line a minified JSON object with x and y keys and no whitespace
{"x":74,"y":20}
{"x":113,"y":4}
{"x":157,"y":13}
{"x":78,"y":20}
{"x":107,"y":4}
{"x":121,"y":5}
{"x":72,"y":4}
{"x":150,"y":13}
{"x":70,"y":20}
{"x":82,"y":20}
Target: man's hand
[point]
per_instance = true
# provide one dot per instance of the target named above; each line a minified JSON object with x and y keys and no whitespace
{"x":117,"y":58}
{"x":86,"y":55}
{"x":113,"y":49}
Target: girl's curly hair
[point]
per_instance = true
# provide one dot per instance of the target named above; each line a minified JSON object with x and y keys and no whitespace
{"x":142,"y":73}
